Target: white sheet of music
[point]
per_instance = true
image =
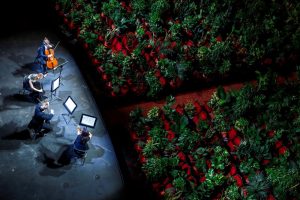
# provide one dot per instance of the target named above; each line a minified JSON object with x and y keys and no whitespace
{"x":55,"y":84}
{"x":88,"y":121}
{"x":70,"y":105}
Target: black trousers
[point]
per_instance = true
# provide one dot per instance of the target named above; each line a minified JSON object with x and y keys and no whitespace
{"x":44,"y":68}
{"x":37,"y":95}
{"x":40,"y":128}
{"x":43,"y":65}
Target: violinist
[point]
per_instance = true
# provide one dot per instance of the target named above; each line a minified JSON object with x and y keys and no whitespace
{"x":32,"y":84}
{"x":40,"y":122}
{"x":42,"y":57}
{"x":80,"y":145}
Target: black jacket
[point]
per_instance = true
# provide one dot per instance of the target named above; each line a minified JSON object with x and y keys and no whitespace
{"x":39,"y":118}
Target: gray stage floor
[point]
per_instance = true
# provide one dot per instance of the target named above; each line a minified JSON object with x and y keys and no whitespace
{"x":24,"y":172}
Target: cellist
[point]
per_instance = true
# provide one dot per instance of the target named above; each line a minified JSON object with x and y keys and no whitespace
{"x":41,"y":57}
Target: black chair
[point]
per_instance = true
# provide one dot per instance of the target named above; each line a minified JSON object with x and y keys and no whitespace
{"x":25,"y":86}
{"x":80,"y":154}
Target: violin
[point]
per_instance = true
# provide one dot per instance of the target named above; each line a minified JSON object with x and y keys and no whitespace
{"x":51,"y":61}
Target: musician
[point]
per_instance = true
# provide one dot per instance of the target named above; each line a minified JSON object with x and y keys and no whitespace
{"x":32,"y":83}
{"x":41,"y":57}
{"x":80,"y":145}
{"x":40,"y":121}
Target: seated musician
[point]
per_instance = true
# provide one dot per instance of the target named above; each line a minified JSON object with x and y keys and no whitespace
{"x":41,"y":57}
{"x":80,"y":145}
{"x":40,"y":122}
{"x":32,"y":84}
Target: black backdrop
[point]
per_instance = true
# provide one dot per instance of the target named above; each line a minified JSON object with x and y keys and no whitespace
{"x":18,"y":15}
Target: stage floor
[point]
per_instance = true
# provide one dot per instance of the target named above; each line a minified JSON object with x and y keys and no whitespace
{"x":24,"y":172}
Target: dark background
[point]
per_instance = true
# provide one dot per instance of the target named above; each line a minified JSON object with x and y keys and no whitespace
{"x":22,"y":15}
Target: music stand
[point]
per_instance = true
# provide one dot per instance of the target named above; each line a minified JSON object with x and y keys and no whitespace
{"x":88,"y":121}
{"x":70,"y":106}
{"x":61,"y":63}
{"x":54,"y":86}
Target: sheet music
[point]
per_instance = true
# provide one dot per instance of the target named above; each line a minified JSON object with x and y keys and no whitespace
{"x":70,"y":105}
{"x":55,"y":84}
{"x":88,"y":121}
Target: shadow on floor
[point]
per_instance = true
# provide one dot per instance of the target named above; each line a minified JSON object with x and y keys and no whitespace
{"x":54,"y":168}
{"x":21,"y":135}
{"x":19,"y":100}
{"x":26,"y":69}
{"x":12,"y":139}
{"x":64,"y":160}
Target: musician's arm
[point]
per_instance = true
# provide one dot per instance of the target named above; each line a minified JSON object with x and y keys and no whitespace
{"x":32,"y":87}
{"x":78,"y":131}
{"x":42,"y":114}
{"x":90,"y":135}
{"x":41,"y":53}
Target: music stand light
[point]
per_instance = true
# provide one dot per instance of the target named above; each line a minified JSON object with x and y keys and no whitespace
{"x":88,"y":120}
{"x":54,"y":86}
{"x":70,"y":106}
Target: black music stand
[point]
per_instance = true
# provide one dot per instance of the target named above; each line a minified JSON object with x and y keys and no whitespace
{"x":61,"y":62}
{"x":88,"y":121}
{"x":54,"y":86}
{"x":70,"y":106}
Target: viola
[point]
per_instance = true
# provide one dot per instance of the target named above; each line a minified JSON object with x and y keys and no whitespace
{"x":51,"y":61}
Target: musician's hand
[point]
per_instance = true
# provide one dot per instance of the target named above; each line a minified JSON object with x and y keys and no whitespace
{"x":52,"y":111}
{"x":40,"y":90}
{"x":78,"y":130}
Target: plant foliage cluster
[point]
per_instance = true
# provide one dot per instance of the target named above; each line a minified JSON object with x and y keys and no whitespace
{"x":145,"y":47}
{"x":245,"y":145}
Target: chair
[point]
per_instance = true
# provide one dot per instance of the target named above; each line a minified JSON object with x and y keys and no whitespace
{"x":25,"y":87}
{"x":80,"y":154}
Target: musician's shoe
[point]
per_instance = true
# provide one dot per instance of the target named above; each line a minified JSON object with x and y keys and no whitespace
{"x":32,"y":134}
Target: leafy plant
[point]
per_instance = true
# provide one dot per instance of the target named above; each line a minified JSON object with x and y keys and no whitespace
{"x":284,"y":181}
{"x":157,"y":9}
{"x":220,"y":158}
{"x":89,"y":37}
{"x":179,"y":183}
{"x":212,"y":180}
{"x":231,"y":192}
{"x":156,"y":167}
{"x":154,"y":84}
{"x":153,"y":114}
{"x":168,"y":68}
{"x":258,"y":186}
{"x":187,"y":139}
{"x":150,"y":147}
{"x":249,"y":166}
{"x":137,"y":121}
{"x":100,"y":52}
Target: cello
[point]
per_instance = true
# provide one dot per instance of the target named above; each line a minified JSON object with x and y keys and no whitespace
{"x":51,"y":61}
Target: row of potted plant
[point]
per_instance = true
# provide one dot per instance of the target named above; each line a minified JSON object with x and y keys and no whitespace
{"x":266,"y":116}
{"x":147,"y":47}
{"x":245,"y":145}
{"x":179,"y":155}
